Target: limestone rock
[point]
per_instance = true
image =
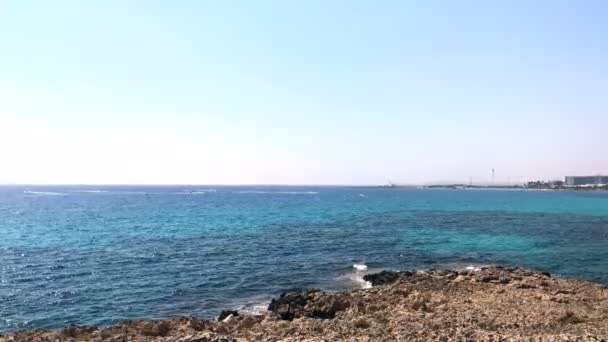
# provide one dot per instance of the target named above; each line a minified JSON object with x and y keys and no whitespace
{"x":488,"y":304}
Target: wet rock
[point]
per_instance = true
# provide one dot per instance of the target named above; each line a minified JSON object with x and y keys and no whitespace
{"x":384,"y":277}
{"x":225,"y":313}
{"x":291,"y":304}
{"x":308,"y":303}
{"x":433,"y":305}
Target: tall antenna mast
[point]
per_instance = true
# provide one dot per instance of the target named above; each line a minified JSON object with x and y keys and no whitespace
{"x":493,"y":173}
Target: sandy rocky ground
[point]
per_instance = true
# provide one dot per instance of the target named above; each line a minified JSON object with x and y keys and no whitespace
{"x":491,"y":304}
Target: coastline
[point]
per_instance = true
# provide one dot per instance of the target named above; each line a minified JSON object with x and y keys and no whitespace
{"x":490,"y":303}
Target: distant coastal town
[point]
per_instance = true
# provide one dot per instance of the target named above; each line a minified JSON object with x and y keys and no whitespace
{"x":587,"y":183}
{"x":573,"y":182}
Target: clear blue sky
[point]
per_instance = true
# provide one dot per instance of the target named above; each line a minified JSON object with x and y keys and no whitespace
{"x":306,"y":92}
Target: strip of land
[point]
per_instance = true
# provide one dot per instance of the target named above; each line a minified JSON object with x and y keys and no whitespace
{"x":489,"y":304}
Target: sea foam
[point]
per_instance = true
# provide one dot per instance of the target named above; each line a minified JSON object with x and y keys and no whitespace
{"x":360,"y":267}
{"x":357,"y":276}
{"x":254,"y":308}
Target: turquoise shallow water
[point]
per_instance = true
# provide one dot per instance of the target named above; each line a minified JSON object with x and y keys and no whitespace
{"x":96,"y":255}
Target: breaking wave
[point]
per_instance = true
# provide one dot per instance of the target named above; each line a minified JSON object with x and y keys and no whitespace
{"x":257,"y":308}
{"x":360,"y":267}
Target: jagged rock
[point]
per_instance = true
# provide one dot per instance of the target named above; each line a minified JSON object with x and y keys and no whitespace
{"x":308,"y":303}
{"x":291,"y":304}
{"x":434,"y":305}
{"x":326,"y":306}
{"x":384,"y":277}
{"x":225,"y":313}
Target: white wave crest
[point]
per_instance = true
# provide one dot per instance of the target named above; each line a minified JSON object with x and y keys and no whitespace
{"x":90,"y":191}
{"x":360,"y":267}
{"x":355,"y":279}
{"x":277,"y":192}
{"x":254,"y":305}
{"x":44,"y":193}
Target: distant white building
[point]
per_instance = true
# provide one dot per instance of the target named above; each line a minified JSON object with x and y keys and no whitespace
{"x":586,"y":180}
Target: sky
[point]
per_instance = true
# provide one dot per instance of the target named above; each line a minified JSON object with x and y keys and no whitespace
{"x":301,"y":92}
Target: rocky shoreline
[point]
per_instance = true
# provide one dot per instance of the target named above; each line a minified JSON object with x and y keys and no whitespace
{"x":489,"y":304}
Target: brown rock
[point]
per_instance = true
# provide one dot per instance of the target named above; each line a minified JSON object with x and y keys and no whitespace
{"x":434,"y":305}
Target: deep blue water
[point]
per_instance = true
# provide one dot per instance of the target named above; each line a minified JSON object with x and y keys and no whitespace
{"x":96,"y":255}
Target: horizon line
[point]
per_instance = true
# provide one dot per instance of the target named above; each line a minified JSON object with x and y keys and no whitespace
{"x":182,"y":184}
{"x":266,"y":184}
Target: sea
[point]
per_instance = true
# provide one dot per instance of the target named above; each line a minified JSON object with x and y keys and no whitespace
{"x":96,"y":255}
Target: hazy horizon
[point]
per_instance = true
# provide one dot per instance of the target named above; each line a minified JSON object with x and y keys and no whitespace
{"x":311,"y":93}
{"x":388,"y":182}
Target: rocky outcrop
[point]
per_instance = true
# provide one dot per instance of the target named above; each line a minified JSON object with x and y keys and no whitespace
{"x":384,"y":277}
{"x":489,"y":304}
{"x":308,"y":303}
